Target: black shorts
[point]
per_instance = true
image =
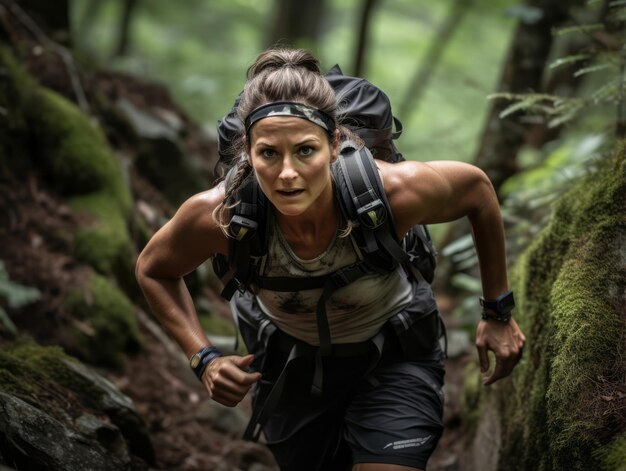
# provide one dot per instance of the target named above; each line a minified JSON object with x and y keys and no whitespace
{"x":391,"y":414}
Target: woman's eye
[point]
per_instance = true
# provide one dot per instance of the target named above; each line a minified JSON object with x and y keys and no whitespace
{"x":268,"y":153}
{"x":305,"y":150}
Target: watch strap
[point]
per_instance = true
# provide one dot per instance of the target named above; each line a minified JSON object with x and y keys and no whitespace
{"x":205,"y":356}
{"x":498,"y":309}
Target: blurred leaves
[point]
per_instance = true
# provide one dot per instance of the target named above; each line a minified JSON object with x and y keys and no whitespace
{"x":201,"y":49}
{"x":15,"y":296}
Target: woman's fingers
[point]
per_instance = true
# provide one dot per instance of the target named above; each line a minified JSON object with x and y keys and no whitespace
{"x":226,"y":382}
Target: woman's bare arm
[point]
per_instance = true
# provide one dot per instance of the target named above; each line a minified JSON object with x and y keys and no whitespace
{"x":179,"y":247}
{"x":443,"y":191}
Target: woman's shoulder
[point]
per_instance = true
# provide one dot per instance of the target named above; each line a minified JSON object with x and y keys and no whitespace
{"x":195,"y":217}
{"x":403,"y":176}
{"x":202,"y":202}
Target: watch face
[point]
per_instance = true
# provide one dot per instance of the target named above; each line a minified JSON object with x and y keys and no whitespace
{"x":195,"y":360}
{"x":507,"y":303}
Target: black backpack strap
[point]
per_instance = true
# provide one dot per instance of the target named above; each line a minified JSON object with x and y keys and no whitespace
{"x":329,"y":284}
{"x":261,"y":414}
{"x":247,"y":235}
{"x":364,"y":196}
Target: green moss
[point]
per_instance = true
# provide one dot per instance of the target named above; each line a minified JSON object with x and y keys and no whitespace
{"x":105,"y":244}
{"x":569,"y":287}
{"x":76,"y":161}
{"x":53,"y":363}
{"x":613,"y":457}
{"x":106,"y":328}
{"x":588,"y":339}
{"x":73,"y":153}
{"x":25,"y":377}
{"x":471,"y":399}
{"x":12,"y":381}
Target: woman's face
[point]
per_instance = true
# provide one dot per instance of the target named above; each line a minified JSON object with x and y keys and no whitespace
{"x":291,"y":157}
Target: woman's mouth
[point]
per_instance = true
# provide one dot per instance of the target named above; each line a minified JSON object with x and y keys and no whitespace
{"x":289,"y":193}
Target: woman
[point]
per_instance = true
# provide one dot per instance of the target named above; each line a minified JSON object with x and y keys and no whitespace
{"x":385,"y":416}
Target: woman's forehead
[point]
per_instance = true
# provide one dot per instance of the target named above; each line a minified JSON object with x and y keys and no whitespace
{"x":285,"y":128}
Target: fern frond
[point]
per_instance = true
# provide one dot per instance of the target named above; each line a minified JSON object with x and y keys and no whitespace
{"x":568,"y":60}
{"x":521,"y":105}
{"x":607,"y":92}
{"x":593,"y":68}
{"x":578,"y":29}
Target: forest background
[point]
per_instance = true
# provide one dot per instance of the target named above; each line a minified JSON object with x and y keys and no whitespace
{"x":108,"y":113}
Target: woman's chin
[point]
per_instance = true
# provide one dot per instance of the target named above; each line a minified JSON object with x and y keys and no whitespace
{"x":289,"y":210}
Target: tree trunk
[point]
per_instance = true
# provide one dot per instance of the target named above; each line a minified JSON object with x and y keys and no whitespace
{"x":523,"y":72}
{"x":502,"y":138}
{"x":427,"y":68}
{"x":128,"y":8}
{"x":361,"y":47}
{"x":296,"y":24}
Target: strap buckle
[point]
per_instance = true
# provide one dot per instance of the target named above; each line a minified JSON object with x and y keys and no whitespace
{"x":242,"y":228}
{"x":373,"y":214}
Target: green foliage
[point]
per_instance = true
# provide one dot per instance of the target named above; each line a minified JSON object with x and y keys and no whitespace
{"x":606,"y":66}
{"x":613,"y":457}
{"x":544,"y":177}
{"x":15,"y":295}
{"x":106,"y":327}
{"x":201,"y":53}
{"x":570,"y":301}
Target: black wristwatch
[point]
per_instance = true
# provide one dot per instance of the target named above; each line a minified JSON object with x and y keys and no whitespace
{"x":199,"y":361}
{"x":498,"y":309}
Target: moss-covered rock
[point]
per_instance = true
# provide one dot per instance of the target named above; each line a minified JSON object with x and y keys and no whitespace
{"x":561,"y":408}
{"x":58,"y":414}
{"x":44,"y":131}
{"x":106,"y":327}
{"x":78,"y":163}
{"x":73,"y":153}
{"x":105,"y":243}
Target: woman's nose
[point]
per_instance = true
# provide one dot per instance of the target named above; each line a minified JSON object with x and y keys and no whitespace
{"x":287,"y":171}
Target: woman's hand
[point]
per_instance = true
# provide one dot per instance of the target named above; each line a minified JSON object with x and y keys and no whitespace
{"x":505,"y":340}
{"x":226,"y":379}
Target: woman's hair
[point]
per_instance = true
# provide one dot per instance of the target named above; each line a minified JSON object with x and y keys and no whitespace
{"x":276,"y":75}
{"x":286,"y":75}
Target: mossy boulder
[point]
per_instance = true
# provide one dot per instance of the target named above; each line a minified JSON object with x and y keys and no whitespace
{"x":45,"y":132}
{"x":563,"y":406}
{"x":76,"y":161}
{"x":105,"y":326}
{"x":59,"y":414}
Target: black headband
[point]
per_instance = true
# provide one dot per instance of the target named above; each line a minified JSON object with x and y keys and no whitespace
{"x":289,"y":108}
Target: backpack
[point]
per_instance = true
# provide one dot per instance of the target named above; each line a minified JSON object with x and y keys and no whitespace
{"x":367,"y":112}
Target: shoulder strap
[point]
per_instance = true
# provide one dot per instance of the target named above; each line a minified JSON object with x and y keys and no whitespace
{"x":363,"y":196}
{"x":247,"y":242}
